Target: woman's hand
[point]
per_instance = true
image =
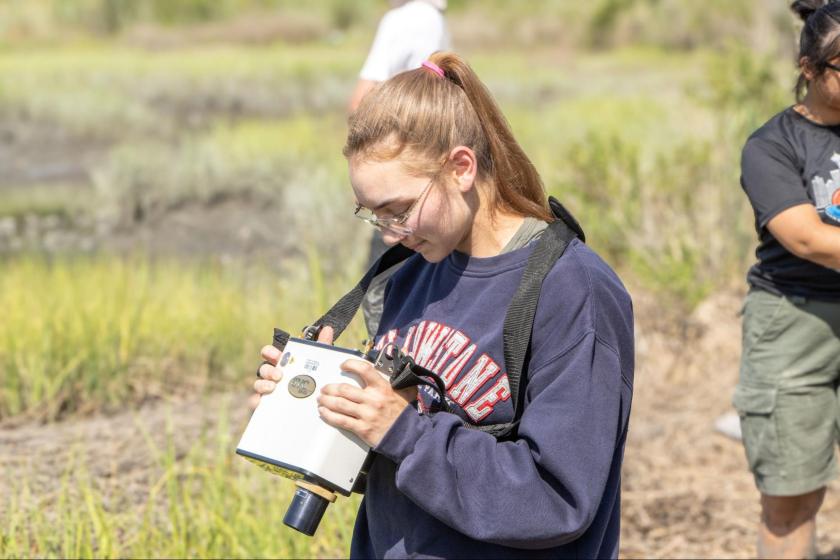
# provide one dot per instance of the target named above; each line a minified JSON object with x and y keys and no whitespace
{"x":368,"y":412}
{"x":271,"y":373}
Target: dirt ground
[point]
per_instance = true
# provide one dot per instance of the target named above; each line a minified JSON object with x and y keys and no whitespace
{"x":686,"y":492}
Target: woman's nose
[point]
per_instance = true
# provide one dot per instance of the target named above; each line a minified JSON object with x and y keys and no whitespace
{"x":390,"y":237}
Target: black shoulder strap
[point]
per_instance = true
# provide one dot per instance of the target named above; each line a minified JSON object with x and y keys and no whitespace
{"x":519,"y":320}
{"x":342,"y":312}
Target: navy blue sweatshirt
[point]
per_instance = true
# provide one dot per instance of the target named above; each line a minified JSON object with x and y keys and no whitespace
{"x":439,"y":489}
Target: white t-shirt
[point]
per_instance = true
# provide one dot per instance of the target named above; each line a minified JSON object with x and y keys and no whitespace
{"x":406,"y":37}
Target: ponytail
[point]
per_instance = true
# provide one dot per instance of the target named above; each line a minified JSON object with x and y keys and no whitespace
{"x":519,"y":187}
{"x":428,"y":115}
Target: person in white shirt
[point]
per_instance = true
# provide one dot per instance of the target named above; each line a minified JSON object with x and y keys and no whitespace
{"x":407,"y":35}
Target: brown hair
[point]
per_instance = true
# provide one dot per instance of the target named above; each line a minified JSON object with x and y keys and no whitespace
{"x":419,"y":112}
{"x":819,"y":41}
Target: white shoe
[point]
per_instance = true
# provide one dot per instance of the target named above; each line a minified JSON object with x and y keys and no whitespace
{"x":729,"y":424}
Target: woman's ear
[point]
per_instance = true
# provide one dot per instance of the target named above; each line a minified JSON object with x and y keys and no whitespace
{"x":807,"y":68}
{"x":464,"y":167}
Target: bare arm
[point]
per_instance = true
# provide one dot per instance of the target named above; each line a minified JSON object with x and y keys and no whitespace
{"x":363,"y":87}
{"x":800,"y":230}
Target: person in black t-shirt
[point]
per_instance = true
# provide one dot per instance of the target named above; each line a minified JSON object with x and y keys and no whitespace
{"x":787,"y":396}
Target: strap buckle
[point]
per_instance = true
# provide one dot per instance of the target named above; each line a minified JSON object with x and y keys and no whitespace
{"x":311,"y":332}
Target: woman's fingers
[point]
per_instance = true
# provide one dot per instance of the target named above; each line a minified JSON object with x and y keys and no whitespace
{"x":270,"y":372}
{"x":339,"y":405}
{"x":264,"y":386}
{"x":270,"y":354}
{"x":369,"y":374}
{"x":339,"y":420}
{"x":327,"y":335}
{"x":345,"y":391}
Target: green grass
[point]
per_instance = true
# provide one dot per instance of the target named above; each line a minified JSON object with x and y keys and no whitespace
{"x":42,"y":200}
{"x":98,"y":91}
{"x":257,"y":159}
{"x":94,"y":333}
{"x":209,"y":503}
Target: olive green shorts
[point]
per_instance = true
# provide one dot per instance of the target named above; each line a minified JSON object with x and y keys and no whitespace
{"x":787,"y":394}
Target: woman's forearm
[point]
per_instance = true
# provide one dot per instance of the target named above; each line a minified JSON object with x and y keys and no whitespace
{"x":822,"y":246}
{"x":801,"y":231}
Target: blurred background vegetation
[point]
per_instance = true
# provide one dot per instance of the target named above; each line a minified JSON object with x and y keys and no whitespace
{"x":172,"y":187}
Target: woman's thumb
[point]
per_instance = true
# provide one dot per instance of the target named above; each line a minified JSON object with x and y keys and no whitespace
{"x":326,"y":335}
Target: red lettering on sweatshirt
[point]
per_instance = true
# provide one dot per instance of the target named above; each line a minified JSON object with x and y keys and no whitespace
{"x":484,"y":369}
{"x":483,"y":405}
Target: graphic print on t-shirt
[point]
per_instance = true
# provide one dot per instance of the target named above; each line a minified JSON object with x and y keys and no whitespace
{"x":827,"y":194}
{"x":474,"y":381}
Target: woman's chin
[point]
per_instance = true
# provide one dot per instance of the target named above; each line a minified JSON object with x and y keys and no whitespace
{"x":430,"y":252}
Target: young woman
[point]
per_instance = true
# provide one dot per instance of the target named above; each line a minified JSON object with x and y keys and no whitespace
{"x":433,"y":163}
{"x":787,"y":394}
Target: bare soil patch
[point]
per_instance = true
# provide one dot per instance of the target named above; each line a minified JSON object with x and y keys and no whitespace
{"x":233,"y":228}
{"x":687,"y":490}
{"x":119,"y":453}
{"x":42,"y":153}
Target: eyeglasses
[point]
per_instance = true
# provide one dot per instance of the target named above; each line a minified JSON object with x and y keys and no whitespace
{"x":832,"y":66}
{"x":394,"y":224}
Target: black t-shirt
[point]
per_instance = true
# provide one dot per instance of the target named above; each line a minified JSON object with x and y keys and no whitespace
{"x":787,"y":162}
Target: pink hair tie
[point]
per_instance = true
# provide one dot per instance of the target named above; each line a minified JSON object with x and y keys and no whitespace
{"x":433,"y":67}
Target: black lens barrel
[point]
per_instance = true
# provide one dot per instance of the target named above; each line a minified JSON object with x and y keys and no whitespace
{"x":305,"y":511}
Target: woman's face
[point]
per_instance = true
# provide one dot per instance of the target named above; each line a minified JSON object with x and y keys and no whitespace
{"x":441,"y":211}
{"x":826,"y":86}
